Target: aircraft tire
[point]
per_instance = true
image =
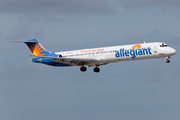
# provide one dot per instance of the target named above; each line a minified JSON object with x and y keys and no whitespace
{"x":167,"y":61}
{"x":83,"y":69}
{"x":96,"y":69}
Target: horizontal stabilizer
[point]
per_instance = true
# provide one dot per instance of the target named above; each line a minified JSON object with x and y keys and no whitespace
{"x":20,"y":41}
{"x":35,"y":47}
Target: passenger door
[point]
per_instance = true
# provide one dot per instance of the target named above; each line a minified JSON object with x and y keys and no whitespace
{"x":155,"y":49}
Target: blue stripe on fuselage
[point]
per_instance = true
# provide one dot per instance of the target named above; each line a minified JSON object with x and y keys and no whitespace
{"x":48,"y":61}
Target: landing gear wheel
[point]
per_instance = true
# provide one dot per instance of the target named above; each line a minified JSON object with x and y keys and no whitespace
{"x":96,"y":69}
{"x":167,"y":61}
{"x":83,"y":69}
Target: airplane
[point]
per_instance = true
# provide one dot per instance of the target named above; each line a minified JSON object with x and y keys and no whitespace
{"x":99,"y":56}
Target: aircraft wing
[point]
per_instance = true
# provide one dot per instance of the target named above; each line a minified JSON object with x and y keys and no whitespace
{"x":72,"y":61}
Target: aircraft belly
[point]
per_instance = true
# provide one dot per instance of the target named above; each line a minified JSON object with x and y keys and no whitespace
{"x":139,"y":57}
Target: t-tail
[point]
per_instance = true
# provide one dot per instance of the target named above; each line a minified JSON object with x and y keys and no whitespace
{"x":36,"y":48}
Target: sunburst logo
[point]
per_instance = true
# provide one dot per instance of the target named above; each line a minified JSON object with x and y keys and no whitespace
{"x":36,"y":49}
{"x":136,"y":47}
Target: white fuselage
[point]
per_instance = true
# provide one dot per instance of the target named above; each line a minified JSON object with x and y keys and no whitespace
{"x":107,"y":55}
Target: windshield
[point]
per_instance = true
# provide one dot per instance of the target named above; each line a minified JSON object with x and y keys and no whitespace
{"x":164,"y":45}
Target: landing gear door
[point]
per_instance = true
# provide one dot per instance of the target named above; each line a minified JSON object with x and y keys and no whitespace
{"x":155,"y":49}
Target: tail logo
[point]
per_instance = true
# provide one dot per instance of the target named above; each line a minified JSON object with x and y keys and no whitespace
{"x":36,"y":49}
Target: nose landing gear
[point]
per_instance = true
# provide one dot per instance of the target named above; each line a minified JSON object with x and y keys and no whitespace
{"x":168,"y":61}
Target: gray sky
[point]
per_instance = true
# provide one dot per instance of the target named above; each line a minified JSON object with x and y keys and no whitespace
{"x":138,"y":90}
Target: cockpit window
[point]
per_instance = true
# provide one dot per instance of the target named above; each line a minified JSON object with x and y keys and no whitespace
{"x":164,"y":45}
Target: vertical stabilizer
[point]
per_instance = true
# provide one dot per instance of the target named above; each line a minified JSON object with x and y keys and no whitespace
{"x":36,"y":48}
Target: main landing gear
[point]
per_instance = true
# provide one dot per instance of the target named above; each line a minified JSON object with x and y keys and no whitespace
{"x":96,"y":69}
{"x":168,"y":61}
{"x":83,"y":69}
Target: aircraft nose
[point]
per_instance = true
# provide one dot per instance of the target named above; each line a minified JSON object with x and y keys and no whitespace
{"x":173,"y":51}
